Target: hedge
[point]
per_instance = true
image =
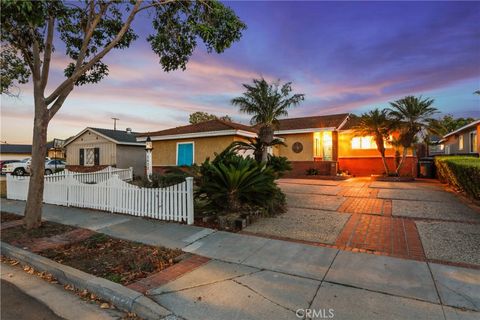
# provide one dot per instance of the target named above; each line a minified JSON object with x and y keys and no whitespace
{"x":462,"y":172}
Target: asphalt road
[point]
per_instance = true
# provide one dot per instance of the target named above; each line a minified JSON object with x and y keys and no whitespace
{"x":16,"y":305}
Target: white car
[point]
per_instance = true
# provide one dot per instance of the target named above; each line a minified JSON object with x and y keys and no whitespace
{"x":19,"y":168}
{"x":52,"y":166}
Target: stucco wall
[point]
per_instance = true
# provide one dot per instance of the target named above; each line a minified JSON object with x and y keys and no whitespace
{"x":165,"y":152}
{"x":131,"y":156}
{"x":91,"y":140}
{"x":345,"y":148}
{"x":306,"y":139}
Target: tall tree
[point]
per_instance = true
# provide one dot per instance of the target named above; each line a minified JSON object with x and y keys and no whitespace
{"x":267,"y":103}
{"x":410,"y":115}
{"x":199,"y":116}
{"x":448,"y":123}
{"x":89,"y":31}
{"x":377,"y":124}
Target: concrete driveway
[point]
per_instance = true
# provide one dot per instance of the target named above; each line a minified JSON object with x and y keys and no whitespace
{"x":416,"y":220}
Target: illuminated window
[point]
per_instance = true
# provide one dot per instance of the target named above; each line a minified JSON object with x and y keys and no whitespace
{"x":363,"y":143}
{"x":460,"y":142}
{"x":473,"y":141}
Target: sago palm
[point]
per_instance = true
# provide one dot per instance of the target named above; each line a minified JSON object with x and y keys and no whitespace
{"x":267,"y":103}
{"x":411,"y":115}
{"x":256,"y":146}
{"x":377,"y":124}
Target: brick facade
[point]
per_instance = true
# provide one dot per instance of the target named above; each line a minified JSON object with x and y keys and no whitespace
{"x":325,"y":168}
{"x":373,"y":165}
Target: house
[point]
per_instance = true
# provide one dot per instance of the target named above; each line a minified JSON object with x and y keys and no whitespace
{"x":55,"y":149}
{"x":95,"y":148}
{"x":15,"y":151}
{"x":194,"y":143}
{"x":465,"y":140}
{"x":326,"y":143}
{"x":329,"y":144}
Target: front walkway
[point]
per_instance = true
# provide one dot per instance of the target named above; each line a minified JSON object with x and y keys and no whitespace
{"x":414,"y":220}
{"x":249,"y":277}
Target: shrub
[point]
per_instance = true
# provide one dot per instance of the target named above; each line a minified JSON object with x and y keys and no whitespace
{"x":279,"y":165}
{"x":312,"y":172}
{"x":462,"y":172}
{"x":232,"y":184}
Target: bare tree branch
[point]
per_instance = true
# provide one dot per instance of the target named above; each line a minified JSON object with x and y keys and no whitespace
{"x":81,"y":70}
{"x":59,"y":102}
{"x":47,"y":56}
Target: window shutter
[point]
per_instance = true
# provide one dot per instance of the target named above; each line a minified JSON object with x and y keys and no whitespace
{"x":82,"y":157}
{"x":96,"y":156}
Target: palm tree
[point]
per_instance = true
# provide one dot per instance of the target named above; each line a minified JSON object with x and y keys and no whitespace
{"x":411,"y":115}
{"x":377,"y":124}
{"x":477,"y":92}
{"x":267,"y":103}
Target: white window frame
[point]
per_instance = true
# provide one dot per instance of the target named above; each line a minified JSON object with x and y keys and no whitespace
{"x":193,"y":151}
{"x":373,"y":144}
{"x":473,"y":146}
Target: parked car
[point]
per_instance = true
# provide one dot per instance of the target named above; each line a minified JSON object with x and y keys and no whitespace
{"x":19,"y":168}
{"x":4,"y":162}
{"x":53,"y":166}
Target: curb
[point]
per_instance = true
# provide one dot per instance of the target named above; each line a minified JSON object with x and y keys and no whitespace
{"x":122,"y":297}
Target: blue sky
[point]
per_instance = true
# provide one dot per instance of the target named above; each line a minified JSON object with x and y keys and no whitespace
{"x":345,"y":56}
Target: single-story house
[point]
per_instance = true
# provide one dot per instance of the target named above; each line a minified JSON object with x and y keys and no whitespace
{"x":15,"y":151}
{"x":95,"y":148}
{"x":465,"y":140}
{"x":194,"y":143}
{"x":325,"y":143}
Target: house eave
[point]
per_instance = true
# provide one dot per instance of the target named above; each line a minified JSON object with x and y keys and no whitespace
{"x":206,"y":134}
{"x":307,"y":130}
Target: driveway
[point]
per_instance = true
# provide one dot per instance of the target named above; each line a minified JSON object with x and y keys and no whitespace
{"x":416,"y":220}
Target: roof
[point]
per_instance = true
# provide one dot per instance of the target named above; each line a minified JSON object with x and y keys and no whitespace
{"x":471,"y":124}
{"x":316,"y":122}
{"x":16,"y":148}
{"x":352,"y":122}
{"x":116,"y":136}
{"x":210,"y":126}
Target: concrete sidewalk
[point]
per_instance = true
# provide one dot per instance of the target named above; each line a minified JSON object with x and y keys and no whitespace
{"x":257,"y":278}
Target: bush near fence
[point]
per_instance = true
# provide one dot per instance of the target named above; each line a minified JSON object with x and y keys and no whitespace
{"x":462,"y":172}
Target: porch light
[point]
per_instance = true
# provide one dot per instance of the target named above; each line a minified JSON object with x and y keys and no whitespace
{"x":148,"y":144}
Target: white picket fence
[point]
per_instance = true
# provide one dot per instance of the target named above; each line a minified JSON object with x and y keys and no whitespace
{"x":92,"y":177}
{"x":174,"y":203}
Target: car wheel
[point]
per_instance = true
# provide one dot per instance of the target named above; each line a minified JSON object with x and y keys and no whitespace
{"x":19,"y":172}
{"x":48,"y":171}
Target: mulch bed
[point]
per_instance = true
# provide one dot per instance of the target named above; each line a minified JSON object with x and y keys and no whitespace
{"x":116,"y":260}
{"x":47,"y":229}
{"x":5,"y":217}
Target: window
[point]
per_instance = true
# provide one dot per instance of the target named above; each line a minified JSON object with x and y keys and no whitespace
{"x":473,"y":142}
{"x":185,"y":152}
{"x":89,"y":156}
{"x":363,"y":143}
{"x":460,"y":142}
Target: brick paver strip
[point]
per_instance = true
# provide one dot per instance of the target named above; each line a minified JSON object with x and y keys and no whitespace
{"x":11,"y":224}
{"x":382,"y":235}
{"x":358,"y":192}
{"x":57,"y":241}
{"x":367,"y":206}
{"x":169,"y":274}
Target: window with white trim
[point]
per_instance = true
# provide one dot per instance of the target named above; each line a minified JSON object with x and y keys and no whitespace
{"x":363,"y":143}
{"x":460,"y":142}
{"x":89,"y":156}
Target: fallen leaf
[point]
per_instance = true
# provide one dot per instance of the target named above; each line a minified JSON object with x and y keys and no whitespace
{"x":105,"y":306}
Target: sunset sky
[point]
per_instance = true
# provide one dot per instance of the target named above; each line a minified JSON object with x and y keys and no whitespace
{"x":345,"y":56}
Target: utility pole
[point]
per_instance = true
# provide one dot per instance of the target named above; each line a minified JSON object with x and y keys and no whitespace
{"x":115,"y":123}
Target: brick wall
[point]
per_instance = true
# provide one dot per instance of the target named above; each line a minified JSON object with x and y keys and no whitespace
{"x":325,"y":168}
{"x":368,"y":166}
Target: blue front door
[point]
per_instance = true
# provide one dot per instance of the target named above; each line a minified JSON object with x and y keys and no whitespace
{"x":185,"y":154}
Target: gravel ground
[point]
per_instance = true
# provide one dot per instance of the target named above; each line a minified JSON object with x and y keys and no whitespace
{"x":309,"y":189}
{"x":420,"y":194}
{"x":303,"y":224}
{"x":405,"y":185}
{"x":311,"y":201}
{"x":434,"y":210}
{"x":450,"y":241}
{"x":312,"y":182}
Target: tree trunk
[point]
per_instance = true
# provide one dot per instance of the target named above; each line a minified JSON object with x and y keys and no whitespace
{"x":402,"y":161}
{"x":381,"y":148}
{"x":33,"y":208}
{"x":265,"y":136}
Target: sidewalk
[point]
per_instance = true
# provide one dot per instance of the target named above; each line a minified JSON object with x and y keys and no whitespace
{"x":258,"y":278}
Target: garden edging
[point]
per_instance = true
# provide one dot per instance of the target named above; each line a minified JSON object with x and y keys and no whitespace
{"x":122,"y":297}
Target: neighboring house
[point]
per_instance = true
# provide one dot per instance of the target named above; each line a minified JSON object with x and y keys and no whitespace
{"x":465,"y":140}
{"x":436,"y":146}
{"x":95,"y":148}
{"x":326,"y":143}
{"x":56,"y":150}
{"x":15,"y":151}
{"x":194,"y":143}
